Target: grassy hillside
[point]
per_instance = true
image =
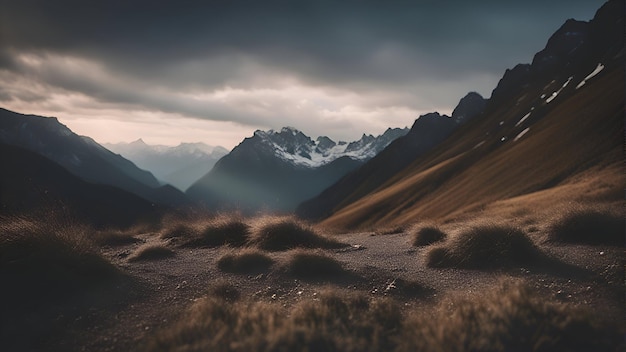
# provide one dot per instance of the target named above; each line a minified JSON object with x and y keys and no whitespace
{"x":494,"y":159}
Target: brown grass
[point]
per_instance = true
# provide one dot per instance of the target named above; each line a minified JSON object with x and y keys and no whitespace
{"x":428,"y":235}
{"x":486,"y":246}
{"x":232,"y":231}
{"x":309,"y":264}
{"x":508,"y":317}
{"x":151,"y":251}
{"x":588,"y":226}
{"x":180,"y":232}
{"x":337,"y":321}
{"x":246,"y":261}
{"x":279,"y":234}
{"x":44,"y":268}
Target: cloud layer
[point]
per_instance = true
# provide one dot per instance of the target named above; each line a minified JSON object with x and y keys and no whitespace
{"x":348,"y":67}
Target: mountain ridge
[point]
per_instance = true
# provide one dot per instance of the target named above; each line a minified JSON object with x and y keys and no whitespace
{"x":82,"y":156}
{"x":540,"y":129}
{"x":276,"y":170}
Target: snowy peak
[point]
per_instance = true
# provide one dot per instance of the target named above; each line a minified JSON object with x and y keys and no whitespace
{"x":293,"y":146}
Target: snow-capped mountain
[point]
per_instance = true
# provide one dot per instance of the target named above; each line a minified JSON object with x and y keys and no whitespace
{"x":276,"y":170}
{"x":179,"y":166}
{"x":426,"y":133}
{"x":294,"y":146}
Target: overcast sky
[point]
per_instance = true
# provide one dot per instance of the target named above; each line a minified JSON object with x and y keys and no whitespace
{"x":215,"y":71}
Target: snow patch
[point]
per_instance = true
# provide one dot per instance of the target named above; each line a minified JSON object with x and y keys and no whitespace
{"x":521,"y":134}
{"x":521,"y":121}
{"x":599,"y":68}
{"x":479,"y":144}
{"x":555,"y":94}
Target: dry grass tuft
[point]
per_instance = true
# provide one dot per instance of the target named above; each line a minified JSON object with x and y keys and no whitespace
{"x":279,"y":234}
{"x":53,"y":258}
{"x":588,"y":226}
{"x":232,"y":231}
{"x":46,"y":267}
{"x":509,"y":317}
{"x":337,"y":321}
{"x":309,"y":264}
{"x":246,"y":261}
{"x":428,"y":235}
{"x":179,"y":232}
{"x":151,"y":251}
{"x":486,"y":246}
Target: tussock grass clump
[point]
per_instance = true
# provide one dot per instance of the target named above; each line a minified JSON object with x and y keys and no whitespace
{"x":486,"y":246}
{"x":53,"y":258}
{"x":337,"y":321}
{"x":151,"y":251}
{"x":179,"y":232}
{"x":280,"y":234}
{"x":223,"y":231}
{"x":509,"y":317}
{"x":314,"y":265}
{"x":46,"y":268}
{"x":246,"y":261}
{"x":428,"y":235}
{"x":588,"y":226}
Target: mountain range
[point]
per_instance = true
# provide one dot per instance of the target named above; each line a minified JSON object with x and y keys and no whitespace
{"x":548,"y":131}
{"x":83,"y":157}
{"x":427,"y":131}
{"x":179,"y":166}
{"x":276,"y":170}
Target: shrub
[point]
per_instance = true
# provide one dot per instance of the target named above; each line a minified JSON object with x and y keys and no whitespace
{"x":287,"y":233}
{"x":246,"y":261}
{"x":486,"y":246}
{"x":509,"y":317}
{"x":428,"y":235}
{"x":224,"y":231}
{"x":588,"y":226}
{"x":151,"y":251}
{"x":314,"y":265}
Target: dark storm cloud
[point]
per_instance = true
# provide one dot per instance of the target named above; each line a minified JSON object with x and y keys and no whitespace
{"x":355,"y":45}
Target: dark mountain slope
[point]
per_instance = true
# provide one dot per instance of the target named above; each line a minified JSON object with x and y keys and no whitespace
{"x":30,"y":182}
{"x":82,"y":156}
{"x":277,"y":170}
{"x":542,"y":127}
{"x":427,"y":131}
